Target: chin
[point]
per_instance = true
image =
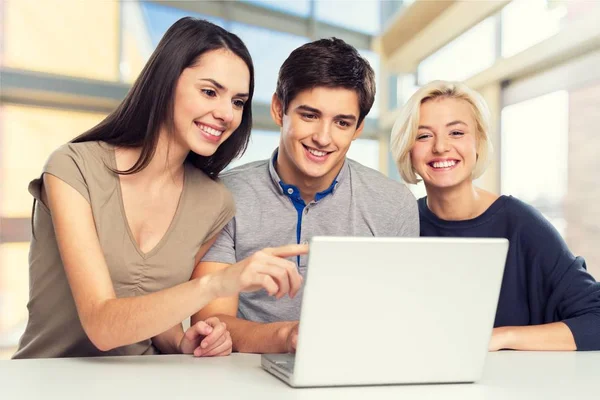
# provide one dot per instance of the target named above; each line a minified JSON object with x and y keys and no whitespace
{"x":447,"y":184}
{"x":315,"y":172}
{"x":204,"y":151}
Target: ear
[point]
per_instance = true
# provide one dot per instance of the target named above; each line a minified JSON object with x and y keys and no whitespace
{"x":277,"y":110}
{"x":359,"y":130}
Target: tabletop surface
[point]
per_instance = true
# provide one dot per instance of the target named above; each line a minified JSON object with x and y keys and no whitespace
{"x":507,"y":375}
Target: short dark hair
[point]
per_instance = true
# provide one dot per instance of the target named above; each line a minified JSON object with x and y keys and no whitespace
{"x":327,"y":63}
{"x":149,"y":104}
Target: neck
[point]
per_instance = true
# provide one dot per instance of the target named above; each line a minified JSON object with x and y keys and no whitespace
{"x":165,"y":165}
{"x":457,"y":203}
{"x":308,"y":186}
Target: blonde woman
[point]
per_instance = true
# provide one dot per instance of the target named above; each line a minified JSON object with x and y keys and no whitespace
{"x":548,"y":300}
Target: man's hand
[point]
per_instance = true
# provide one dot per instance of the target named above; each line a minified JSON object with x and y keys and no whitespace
{"x":209,"y":338}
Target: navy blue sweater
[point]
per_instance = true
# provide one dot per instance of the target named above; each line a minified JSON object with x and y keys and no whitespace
{"x":543,"y":282}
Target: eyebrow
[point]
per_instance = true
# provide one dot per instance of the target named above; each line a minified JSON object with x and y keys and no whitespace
{"x":304,"y":107}
{"x":221,"y":87}
{"x":457,"y":122}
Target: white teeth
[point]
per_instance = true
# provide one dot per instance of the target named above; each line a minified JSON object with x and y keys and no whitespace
{"x":317,"y":152}
{"x":209,"y":130}
{"x":444,"y":164}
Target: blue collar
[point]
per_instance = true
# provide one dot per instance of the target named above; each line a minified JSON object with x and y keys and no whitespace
{"x":293,"y":192}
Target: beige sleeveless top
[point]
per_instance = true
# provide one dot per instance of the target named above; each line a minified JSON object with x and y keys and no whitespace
{"x":54,"y":329}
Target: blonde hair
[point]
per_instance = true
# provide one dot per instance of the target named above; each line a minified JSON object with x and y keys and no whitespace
{"x":404,"y":132}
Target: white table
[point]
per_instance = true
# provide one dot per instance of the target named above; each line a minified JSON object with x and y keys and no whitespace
{"x":507,"y":375}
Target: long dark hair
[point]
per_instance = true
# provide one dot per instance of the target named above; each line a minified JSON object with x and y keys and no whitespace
{"x":149,"y":105}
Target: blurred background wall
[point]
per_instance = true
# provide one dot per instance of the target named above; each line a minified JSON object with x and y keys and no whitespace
{"x":65,"y":64}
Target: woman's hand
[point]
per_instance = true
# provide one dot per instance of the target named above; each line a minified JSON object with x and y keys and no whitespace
{"x":266,"y":269}
{"x":209,"y":338}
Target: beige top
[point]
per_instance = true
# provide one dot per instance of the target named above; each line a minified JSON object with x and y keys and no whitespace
{"x":54,"y":329}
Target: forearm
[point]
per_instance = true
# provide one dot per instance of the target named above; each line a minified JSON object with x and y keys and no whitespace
{"x":122,"y":321}
{"x":555,"y":336}
{"x":168,"y":341}
{"x":256,"y":337}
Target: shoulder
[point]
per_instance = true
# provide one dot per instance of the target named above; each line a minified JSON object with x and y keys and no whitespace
{"x":250,"y":174}
{"x":531,"y":226}
{"x":528,"y":216}
{"x":83,"y":152}
{"x":210,"y":190}
{"x":78,"y":159}
{"x":379,"y":186}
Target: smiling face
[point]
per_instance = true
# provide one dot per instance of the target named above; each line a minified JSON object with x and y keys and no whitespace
{"x":316,"y":132}
{"x":209,"y":99}
{"x":445,"y":151}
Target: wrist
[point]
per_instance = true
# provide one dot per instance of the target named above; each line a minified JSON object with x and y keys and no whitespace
{"x":282,"y":334}
{"x":208,"y":287}
{"x":178,"y":341}
{"x":508,"y":337}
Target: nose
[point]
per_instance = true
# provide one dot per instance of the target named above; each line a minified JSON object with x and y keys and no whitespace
{"x":441,"y":144}
{"x":322,"y":136}
{"x":224,"y":111}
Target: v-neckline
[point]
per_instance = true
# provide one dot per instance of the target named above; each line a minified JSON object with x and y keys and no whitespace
{"x":172,"y":224}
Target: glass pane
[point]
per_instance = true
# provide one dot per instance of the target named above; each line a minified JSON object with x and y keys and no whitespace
{"x":135,"y":41}
{"x":269,"y":49}
{"x":69,"y":37}
{"x":527,"y":22}
{"x":366,"y":152}
{"x":296,"y":7}
{"x":470,"y":53}
{"x":159,"y":18}
{"x":358,"y":15}
{"x":389,"y":8}
{"x":14,"y":292}
{"x":582,"y":205}
{"x":261,"y":147}
{"x":537,"y":177}
{"x":29,"y":136}
{"x":407,"y":86}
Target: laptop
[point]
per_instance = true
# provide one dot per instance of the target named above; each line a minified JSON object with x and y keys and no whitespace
{"x":380,"y":311}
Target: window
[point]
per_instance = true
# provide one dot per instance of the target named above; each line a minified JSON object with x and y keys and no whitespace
{"x":361,"y":15}
{"x":14,"y":290}
{"x":261,"y":147}
{"x":534,"y":153}
{"x":389,"y":8}
{"x":269,"y":49}
{"x":70,"y":37}
{"x":366,"y":152}
{"x":159,"y":18}
{"x":406,"y":87}
{"x":296,"y":7}
{"x":136,"y":43}
{"x":465,"y":56}
{"x":29,"y":136}
{"x":520,"y":16}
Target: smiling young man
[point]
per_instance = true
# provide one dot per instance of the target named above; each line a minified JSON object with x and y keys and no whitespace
{"x":307,"y":188}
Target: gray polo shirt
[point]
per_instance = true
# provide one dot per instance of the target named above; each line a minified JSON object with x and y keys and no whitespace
{"x":360,"y":202}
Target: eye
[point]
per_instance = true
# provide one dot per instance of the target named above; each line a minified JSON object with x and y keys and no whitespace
{"x":456,"y":133}
{"x":423,"y":136}
{"x":239,"y":103}
{"x":209,"y":92}
{"x":343,"y":124}
{"x":308,"y":116}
